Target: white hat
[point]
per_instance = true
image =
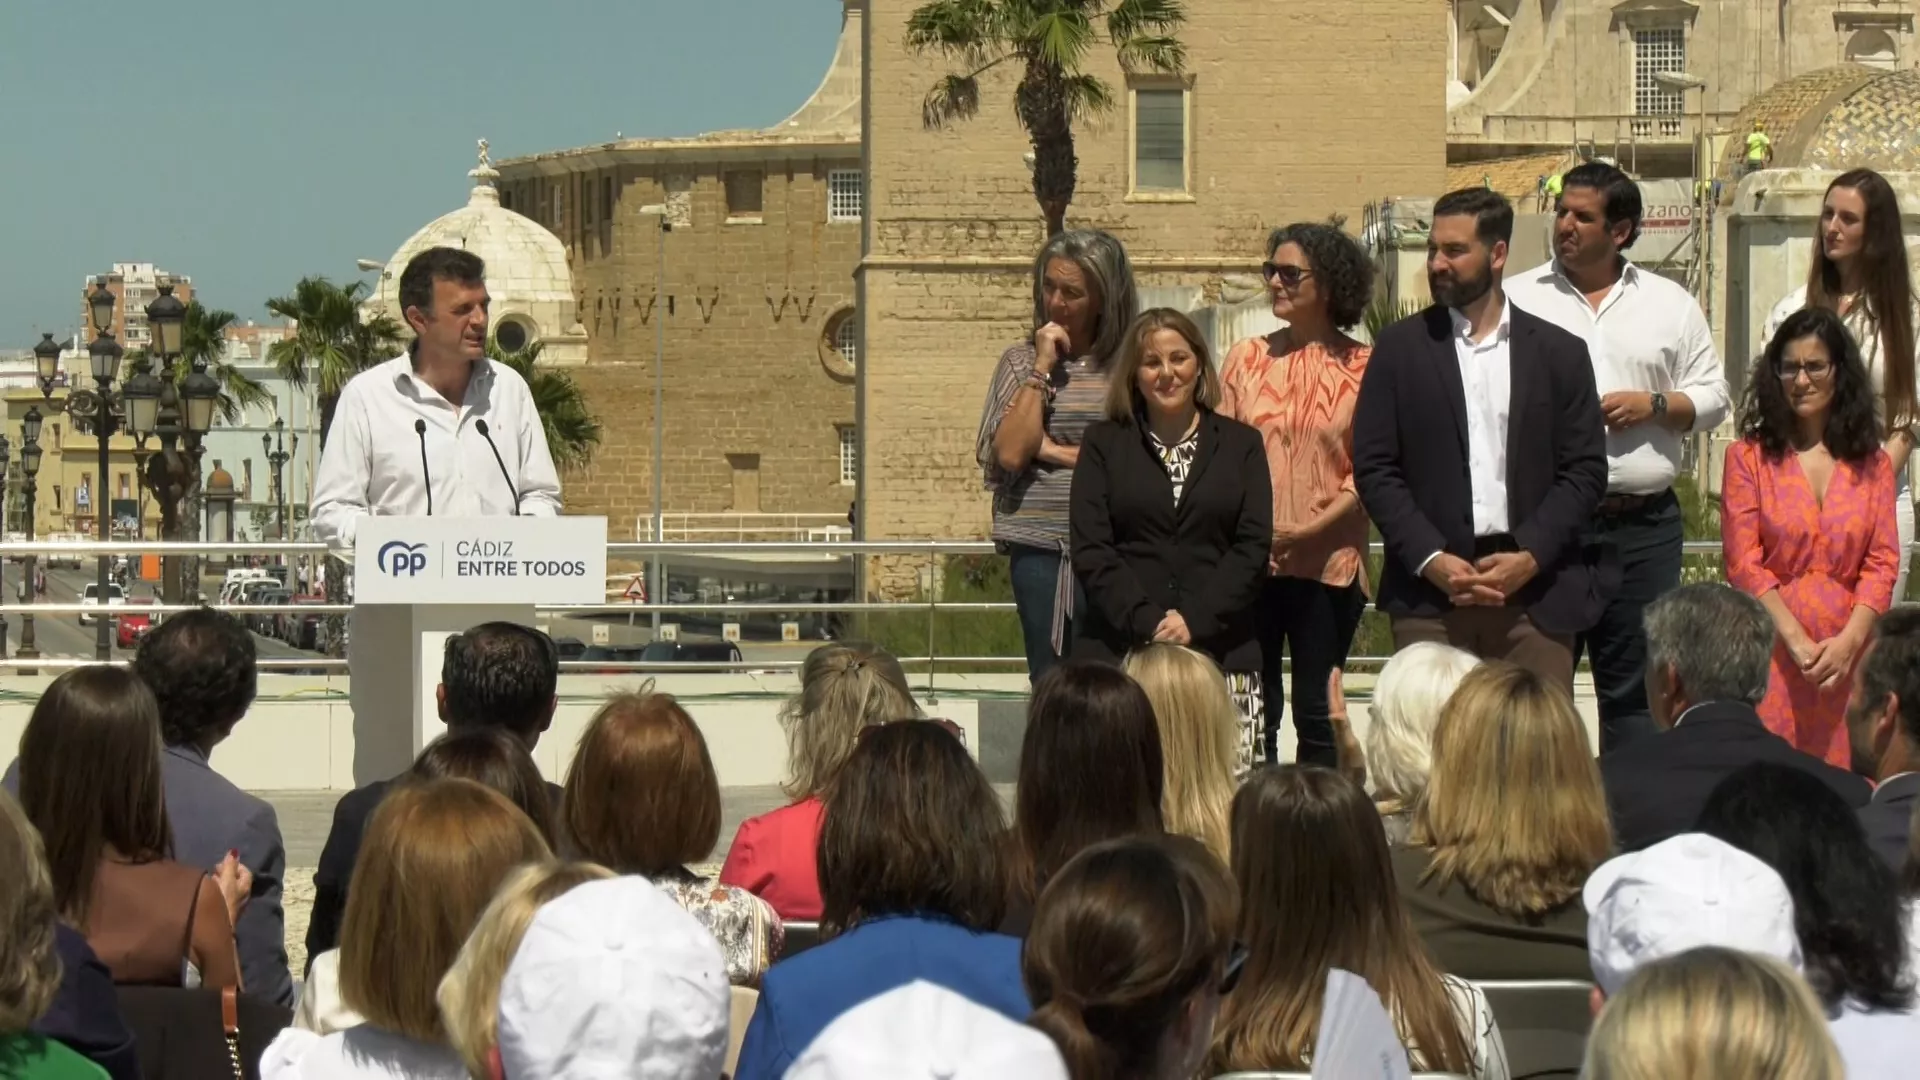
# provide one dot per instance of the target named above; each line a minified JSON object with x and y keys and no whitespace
{"x":614,"y":979}
{"x":923,"y":1030}
{"x":1684,"y":893}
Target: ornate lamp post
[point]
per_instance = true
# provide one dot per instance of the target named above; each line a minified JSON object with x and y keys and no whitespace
{"x":275,"y":448}
{"x":29,"y":469}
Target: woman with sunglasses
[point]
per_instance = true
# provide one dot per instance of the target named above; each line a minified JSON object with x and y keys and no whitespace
{"x":1130,"y":953}
{"x":1860,"y":272}
{"x":1297,"y":387}
{"x":1807,"y":523}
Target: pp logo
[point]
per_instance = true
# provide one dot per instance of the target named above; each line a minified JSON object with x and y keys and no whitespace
{"x":397,"y":558}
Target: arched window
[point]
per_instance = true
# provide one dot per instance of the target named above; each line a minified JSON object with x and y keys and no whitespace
{"x":1874,"y":48}
{"x":846,"y":340}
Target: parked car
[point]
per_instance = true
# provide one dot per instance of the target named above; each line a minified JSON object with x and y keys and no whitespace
{"x":687,"y":652}
{"x":90,"y":597}
{"x":130,"y":626}
{"x":64,"y":559}
{"x":300,"y":629}
{"x":570,"y":648}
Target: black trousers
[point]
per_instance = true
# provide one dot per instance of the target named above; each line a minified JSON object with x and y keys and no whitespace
{"x":1646,"y":544}
{"x":1316,"y":623}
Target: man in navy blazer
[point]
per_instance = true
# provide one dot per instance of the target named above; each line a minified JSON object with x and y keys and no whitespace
{"x":1479,"y":451}
{"x":201,"y":668}
{"x":1883,"y":726}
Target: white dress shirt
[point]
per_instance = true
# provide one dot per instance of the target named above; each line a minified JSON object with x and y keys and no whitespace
{"x":1648,"y":334}
{"x":372,"y":461}
{"x":1486,"y":375}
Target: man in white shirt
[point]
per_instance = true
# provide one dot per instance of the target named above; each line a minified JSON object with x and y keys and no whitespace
{"x":1883,"y":726}
{"x":1659,"y":378}
{"x":439,"y":429}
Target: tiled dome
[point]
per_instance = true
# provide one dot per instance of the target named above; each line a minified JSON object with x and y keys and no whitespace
{"x":1844,"y":117}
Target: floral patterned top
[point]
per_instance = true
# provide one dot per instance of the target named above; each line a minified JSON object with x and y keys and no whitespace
{"x":1301,"y":402}
{"x":749,"y":933}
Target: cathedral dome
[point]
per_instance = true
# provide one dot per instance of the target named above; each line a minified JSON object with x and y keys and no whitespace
{"x":1838,"y":118}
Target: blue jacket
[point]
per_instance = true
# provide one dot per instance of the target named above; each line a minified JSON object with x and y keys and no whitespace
{"x":801,"y":996}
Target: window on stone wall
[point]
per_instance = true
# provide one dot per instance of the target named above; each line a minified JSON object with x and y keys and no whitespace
{"x":849,"y":455}
{"x":845,"y":195}
{"x":559,"y":209}
{"x":1874,"y":48}
{"x":1657,"y":50}
{"x":846,"y":340}
{"x":746,"y":482}
{"x":1160,"y":139}
{"x":745,"y":194}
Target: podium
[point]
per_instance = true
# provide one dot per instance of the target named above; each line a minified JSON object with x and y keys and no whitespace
{"x":420,"y":580}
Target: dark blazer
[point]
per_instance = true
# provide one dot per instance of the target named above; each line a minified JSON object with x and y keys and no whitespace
{"x":1657,"y":786}
{"x":212,"y":816}
{"x":1410,"y":465}
{"x":85,"y":1014}
{"x":1888,"y":818}
{"x":1138,"y":556}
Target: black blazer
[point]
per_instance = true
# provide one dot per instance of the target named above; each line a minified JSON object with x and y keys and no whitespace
{"x":1139,"y":556}
{"x":1410,"y":464}
{"x":1657,"y":785}
{"x":1888,"y":818}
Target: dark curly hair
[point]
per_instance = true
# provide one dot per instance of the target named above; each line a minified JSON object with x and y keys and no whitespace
{"x":1853,"y":422}
{"x":201,"y":668}
{"x":1339,"y":264}
{"x":501,"y":674}
{"x":1848,"y":910}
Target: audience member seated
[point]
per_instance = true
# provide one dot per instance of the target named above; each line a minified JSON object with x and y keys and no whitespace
{"x":469,"y":995}
{"x":1712,"y":1014}
{"x":1091,"y":769}
{"x":500,"y":675}
{"x":1512,"y":823}
{"x":92,"y":782}
{"x":913,"y":885}
{"x":1708,"y":651}
{"x":923,"y":1030}
{"x":613,"y":979}
{"x":31,"y":974}
{"x":844,"y":689}
{"x":1317,"y":892}
{"x":1199,"y":727}
{"x":1847,"y":909}
{"x":1412,"y":689}
{"x":200,"y":667}
{"x":433,"y":855}
{"x":642,"y":798}
{"x":1130,"y":952}
{"x":86,"y":1014}
{"x":1883,"y":731}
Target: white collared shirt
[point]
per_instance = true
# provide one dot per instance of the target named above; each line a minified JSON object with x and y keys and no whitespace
{"x":1648,"y":334}
{"x":1486,"y":376}
{"x":372,"y":462}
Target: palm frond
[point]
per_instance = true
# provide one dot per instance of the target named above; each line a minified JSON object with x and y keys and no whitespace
{"x":961,"y":28}
{"x":1131,"y":19}
{"x":1150,"y":53}
{"x":572,"y":431}
{"x":1087,"y":97}
{"x":954,"y":97}
{"x":1060,"y":39}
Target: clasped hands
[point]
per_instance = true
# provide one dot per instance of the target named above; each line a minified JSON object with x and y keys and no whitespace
{"x":1490,"y":582}
{"x":1824,"y":663}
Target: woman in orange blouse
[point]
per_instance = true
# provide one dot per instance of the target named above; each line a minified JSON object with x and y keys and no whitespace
{"x":1297,"y":387}
{"x":1808,"y":523}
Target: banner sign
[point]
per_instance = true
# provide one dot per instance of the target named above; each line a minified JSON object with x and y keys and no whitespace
{"x":487,"y":560}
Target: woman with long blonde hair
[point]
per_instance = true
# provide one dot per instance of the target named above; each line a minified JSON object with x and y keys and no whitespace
{"x":845,"y":688}
{"x":1512,"y":823}
{"x":1708,"y":1013}
{"x":1194,"y":711}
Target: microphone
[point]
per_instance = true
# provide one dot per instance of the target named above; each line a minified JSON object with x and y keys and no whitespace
{"x":420,"y":429}
{"x":481,"y":427}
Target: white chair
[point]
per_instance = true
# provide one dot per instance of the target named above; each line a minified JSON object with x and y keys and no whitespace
{"x":1543,"y":1024}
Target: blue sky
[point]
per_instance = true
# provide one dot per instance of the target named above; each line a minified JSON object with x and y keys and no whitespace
{"x":250,"y":142}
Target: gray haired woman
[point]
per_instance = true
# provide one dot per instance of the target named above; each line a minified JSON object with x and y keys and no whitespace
{"x":1045,"y":392}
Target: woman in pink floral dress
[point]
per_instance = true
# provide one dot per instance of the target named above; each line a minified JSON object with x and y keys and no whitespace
{"x":1808,"y":523}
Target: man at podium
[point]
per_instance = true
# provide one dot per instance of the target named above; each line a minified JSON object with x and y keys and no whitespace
{"x":439,"y":430}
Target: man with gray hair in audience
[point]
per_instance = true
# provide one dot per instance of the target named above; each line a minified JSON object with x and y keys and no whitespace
{"x":1708,"y":648}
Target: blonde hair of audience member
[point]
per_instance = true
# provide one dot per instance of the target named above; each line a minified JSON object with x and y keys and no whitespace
{"x":1413,"y":687}
{"x":470,"y":993}
{"x":434,"y":853}
{"x":844,"y":688}
{"x":1513,"y":810}
{"x":1709,"y":1013}
{"x":1317,"y":892}
{"x":1198,"y":725}
{"x":642,"y":796}
{"x":29,"y":966}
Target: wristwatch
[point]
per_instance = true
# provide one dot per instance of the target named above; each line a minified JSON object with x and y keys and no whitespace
{"x":1659,"y":404}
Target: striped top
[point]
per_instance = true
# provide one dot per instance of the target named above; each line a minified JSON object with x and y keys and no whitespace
{"x":1301,"y":402}
{"x":1030,"y":507}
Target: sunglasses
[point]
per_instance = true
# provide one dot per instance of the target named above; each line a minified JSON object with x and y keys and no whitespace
{"x":944,"y":724}
{"x":1286,"y":275}
{"x":1236,"y":962}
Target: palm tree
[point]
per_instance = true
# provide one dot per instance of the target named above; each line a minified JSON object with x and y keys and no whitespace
{"x":203,"y":338}
{"x":1049,"y":40}
{"x":331,"y":342}
{"x":571,"y":430}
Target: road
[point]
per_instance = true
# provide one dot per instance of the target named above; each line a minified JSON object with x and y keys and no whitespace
{"x":62,"y":636}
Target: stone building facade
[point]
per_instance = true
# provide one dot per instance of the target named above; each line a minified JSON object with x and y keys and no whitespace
{"x":760,"y":344}
{"x":1190,"y":173}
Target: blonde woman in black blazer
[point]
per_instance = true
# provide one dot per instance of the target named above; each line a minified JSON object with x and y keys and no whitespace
{"x":1172,"y":512}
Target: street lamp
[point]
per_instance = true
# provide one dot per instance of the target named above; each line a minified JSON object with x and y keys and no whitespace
{"x":29,"y":469}
{"x":657,"y":576}
{"x":275,"y":448}
{"x":167,"y":318}
{"x":1681,"y":82}
{"x":46,"y":362}
{"x":101,"y":302}
{"x":104,"y":356}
